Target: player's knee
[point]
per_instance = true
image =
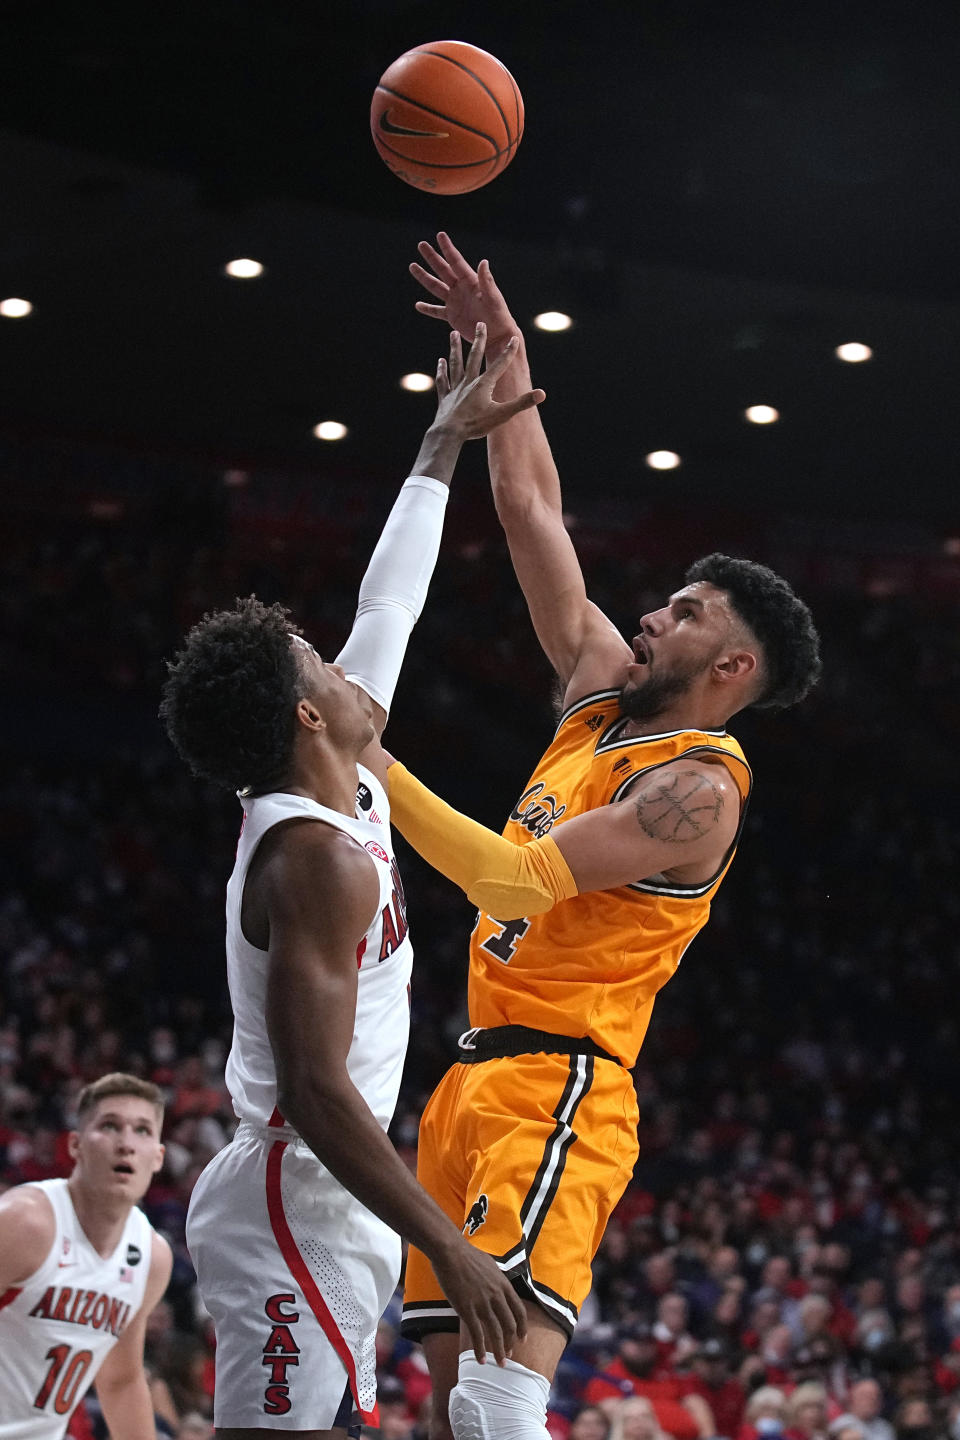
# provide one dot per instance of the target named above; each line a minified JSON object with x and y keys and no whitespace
{"x":492,"y":1402}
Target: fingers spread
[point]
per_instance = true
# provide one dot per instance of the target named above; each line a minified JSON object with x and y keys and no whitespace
{"x":475,"y":358}
{"x":456,"y":358}
{"x":436,"y":312}
{"x":429,"y":282}
{"x":443,"y":378}
{"x":436,"y":261}
{"x":450,"y":252}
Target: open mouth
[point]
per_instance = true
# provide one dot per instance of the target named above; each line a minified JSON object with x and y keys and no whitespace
{"x":640,"y":654}
{"x":123,"y":1168}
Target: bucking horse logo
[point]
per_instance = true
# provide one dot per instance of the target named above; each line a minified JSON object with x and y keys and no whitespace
{"x":478,"y":1214}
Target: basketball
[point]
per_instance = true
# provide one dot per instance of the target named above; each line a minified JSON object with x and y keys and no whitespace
{"x":447,"y":117}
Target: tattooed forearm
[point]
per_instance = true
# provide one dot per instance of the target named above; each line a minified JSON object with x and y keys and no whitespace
{"x":679,"y":807}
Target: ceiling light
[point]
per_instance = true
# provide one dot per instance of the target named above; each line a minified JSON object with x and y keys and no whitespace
{"x":553,"y":320}
{"x":662,"y":459}
{"x":15,"y":309}
{"x":416,"y":381}
{"x":330,"y":430}
{"x":243,"y":269}
{"x":853,"y":353}
{"x":761,"y":414}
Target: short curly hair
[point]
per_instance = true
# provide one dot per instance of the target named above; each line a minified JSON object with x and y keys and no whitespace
{"x":777,"y":617}
{"x":230,"y":695}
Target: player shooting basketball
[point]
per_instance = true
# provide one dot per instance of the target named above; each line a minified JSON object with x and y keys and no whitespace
{"x":603,"y":876}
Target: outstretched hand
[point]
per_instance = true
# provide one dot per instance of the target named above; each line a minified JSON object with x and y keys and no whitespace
{"x":464,"y":295}
{"x":465,"y":391}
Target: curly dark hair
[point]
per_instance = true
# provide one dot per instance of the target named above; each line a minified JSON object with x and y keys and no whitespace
{"x":777,"y":617}
{"x":230,"y":695}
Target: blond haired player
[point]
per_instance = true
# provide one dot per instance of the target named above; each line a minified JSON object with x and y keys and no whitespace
{"x":603,"y":876}
{"x":81,"y":1269}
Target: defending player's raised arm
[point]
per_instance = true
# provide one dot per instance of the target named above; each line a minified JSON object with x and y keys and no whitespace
{"x":584,"y":648}
{"x":27,"y":1230}
{"x":394,"y":588}
{"x":320,"y":892}
{"x":683,"y":817}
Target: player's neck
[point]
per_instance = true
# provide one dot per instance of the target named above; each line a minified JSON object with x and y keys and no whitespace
{"x":330,"y":781}
{"x":671,"y":719}
{"x":102,"y":1220}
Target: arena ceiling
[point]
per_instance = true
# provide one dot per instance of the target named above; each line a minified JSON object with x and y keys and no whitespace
{"x":719,"y":193}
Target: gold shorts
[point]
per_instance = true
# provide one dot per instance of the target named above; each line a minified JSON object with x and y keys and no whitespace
{"x":528,"y":1155}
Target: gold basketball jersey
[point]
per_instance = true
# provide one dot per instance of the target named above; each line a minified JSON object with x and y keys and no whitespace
{"x":593,"y":964}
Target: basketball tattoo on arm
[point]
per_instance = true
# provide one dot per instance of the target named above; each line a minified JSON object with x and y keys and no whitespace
{"x":679,"y":807}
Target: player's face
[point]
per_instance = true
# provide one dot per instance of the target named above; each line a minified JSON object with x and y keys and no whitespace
{"x":673,"y":647}
{"x":118,"y":1150}
{"x":347,"y":710}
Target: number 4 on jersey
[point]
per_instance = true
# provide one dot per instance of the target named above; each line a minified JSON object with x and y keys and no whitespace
{"x":503,"y":945}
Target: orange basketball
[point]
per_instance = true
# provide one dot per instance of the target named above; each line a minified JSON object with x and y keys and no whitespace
{"x":447,"y":117}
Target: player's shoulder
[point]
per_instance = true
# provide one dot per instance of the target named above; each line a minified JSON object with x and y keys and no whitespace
{"x":307,"y":841}
{"x":311,"y":862}
{"x":28,"y":1226}
{"x":693,"y":783}
{"x":29,"y":1206}
{"x":712,"y":765}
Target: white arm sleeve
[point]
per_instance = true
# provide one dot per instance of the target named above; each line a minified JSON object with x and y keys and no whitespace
{"x":394,"y":588}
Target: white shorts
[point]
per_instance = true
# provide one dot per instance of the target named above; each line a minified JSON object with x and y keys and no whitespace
{"x":296,"y":1274}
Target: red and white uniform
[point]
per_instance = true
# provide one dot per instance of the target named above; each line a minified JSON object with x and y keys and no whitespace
{"x":58,"y":1326}
{"x":294,"y":1270}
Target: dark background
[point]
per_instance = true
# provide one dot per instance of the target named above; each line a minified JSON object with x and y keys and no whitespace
{"x":719,"y":194}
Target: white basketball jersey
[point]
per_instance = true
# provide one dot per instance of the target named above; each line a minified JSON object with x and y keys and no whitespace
{"x":384,"y":961}
{"x":57,"y":1327}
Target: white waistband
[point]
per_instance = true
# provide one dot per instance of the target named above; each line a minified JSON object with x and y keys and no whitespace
{"x":270,"y":1132}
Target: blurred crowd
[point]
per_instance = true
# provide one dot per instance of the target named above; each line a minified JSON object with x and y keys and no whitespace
{"x":786,"y":1260}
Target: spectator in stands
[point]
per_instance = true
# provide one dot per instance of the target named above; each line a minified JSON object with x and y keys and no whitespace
{"x":723,"y":1263}
{"x":635,"y":1371}
{"x":812,"y":1319}
{"x":764,"y":1316}
{"x":674,"y":1342}
{"x":659,"y":1276}
{"x":635,"y":1419}
{"x":765,"y":1416}
{"x":590,"y":1423}
{"x":846,"y":1427}
{"x":807,"y":1412}
{"x":865,"y":1404}
{"x":777,"y":1282}
{"x":710,"y":1378}
{"x":915,"y":1420}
